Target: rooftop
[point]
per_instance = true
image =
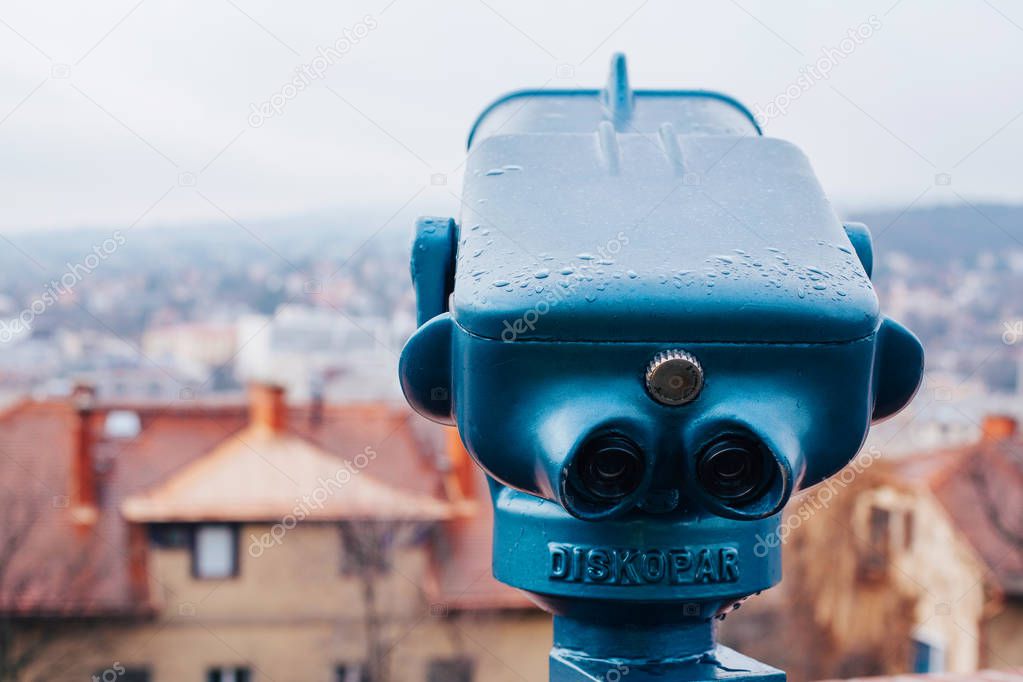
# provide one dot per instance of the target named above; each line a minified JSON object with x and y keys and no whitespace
{"x":980,"y":485}
{"x":219,"y":461}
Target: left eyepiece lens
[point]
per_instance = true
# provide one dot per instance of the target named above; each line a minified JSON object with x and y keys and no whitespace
{"x":734,"y":470}
{"x":609,"y":468}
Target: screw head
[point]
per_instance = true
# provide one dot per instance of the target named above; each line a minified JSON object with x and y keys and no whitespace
{"x":674,"y":377}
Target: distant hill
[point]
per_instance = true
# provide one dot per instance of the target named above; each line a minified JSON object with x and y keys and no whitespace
{"x":943,"y":234}
{"x":939,"y":234}
{"x":277,"y":241}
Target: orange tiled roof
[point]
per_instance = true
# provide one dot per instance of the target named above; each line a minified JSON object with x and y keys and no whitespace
{"x":980,"y":485}
{"x":56,"y":570}
{"x":466,"y":579}
{"x":259,"y":474}
{"x":162,"y":471}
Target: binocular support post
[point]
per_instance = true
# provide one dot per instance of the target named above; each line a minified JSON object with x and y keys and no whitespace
{"x":586,"y":651}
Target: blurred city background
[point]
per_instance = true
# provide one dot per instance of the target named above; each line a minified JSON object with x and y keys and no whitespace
{"x":207,"y":471}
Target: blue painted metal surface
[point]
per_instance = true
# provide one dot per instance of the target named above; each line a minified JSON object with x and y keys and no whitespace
{"x":608,"y":235}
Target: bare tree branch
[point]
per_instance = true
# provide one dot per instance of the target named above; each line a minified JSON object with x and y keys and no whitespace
{"x":47,"y":581}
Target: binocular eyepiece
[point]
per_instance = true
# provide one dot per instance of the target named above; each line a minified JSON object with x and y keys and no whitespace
{"x":733,"y":470}
{"x":608,"y":470}
{"x":741,"y":478}
{"x":734,"y":475}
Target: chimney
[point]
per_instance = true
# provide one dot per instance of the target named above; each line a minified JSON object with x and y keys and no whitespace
{"x":83,"y":493}
{"x":138,"y":562}
{"x":462,"y":467}
{"x":316,"y":402}
{"x":999,"y":427}
{"x":267,"y":409}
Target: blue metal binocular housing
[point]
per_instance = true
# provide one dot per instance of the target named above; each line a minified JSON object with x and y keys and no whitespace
{"x":650,"y":328}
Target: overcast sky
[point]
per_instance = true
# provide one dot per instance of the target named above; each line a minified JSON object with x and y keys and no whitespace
{"x":121,"y":113}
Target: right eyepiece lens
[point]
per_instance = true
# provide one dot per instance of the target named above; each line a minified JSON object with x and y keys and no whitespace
{"x":734,"y":470}
{"x":609,"y":469}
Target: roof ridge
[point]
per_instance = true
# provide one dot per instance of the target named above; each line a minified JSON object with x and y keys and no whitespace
{"x":183,"y":492}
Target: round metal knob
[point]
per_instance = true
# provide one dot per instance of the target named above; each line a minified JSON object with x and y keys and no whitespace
{"x":674,"y":377}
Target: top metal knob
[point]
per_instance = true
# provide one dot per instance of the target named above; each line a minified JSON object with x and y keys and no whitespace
{"x":674,"y":377}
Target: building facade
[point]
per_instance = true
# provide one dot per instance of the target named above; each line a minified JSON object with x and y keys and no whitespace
{"x":231,"y":543}
{"x":912,"y":564}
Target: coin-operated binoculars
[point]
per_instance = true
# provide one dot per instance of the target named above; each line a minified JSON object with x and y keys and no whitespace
{"x":650,"y":328}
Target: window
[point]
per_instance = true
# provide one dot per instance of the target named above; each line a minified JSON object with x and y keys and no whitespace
{"x":215,"y":552}
{"x":228,"y":675}
{"x":366,"y":548}
{"x":170,"y":535}
{"x":450,"y":670}
{"x":928,"y":656}
{"x":874,"y":558}
{"x":122,"y":424}
{"x":351,"y":672}
{"x":880,"y":520}
{"x":907,"y":530}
